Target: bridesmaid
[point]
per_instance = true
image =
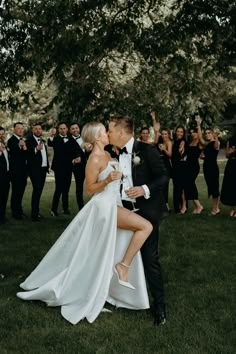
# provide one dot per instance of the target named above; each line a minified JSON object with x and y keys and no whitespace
{"x":210,"y":167}
{"x":192,"y":170}
{"x":145,"y":135}
{"x":178,"y":159}
{"x":228,"y":191}
{"x":164,"y":145}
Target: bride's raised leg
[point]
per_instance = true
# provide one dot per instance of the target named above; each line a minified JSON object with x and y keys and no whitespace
{"x":141,"y":227}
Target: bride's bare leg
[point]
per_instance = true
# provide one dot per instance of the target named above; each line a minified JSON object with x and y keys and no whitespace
{"x":141,"y":227}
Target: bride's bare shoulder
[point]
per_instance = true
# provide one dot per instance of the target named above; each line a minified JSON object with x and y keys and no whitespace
{"x":98,"y":160}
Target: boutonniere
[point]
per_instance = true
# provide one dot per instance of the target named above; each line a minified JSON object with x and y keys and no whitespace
{"x":136,"y":159}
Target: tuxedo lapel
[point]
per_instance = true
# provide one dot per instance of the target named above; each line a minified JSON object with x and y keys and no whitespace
{"x":135,"y":147}
{"x":137,"y":150}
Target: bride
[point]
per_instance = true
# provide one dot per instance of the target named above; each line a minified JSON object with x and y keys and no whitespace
{"x":90,"y":263}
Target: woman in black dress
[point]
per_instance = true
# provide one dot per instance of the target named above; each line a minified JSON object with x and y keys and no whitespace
{"x":164,"y":145}
{"x":210,"y":166}
{"x":194,"y":150}
{"x":178,"y":161}
{"x":228,"y":191}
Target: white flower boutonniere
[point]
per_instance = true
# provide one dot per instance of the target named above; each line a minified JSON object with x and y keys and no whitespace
{"x":136,"y":159}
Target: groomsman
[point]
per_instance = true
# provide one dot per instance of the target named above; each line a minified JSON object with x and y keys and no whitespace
{"x":79,"y":162}
{"x":18,"y":169}
{"x":62,"y":167}
{"x":4,"y":176}
{"x":37,"y":166}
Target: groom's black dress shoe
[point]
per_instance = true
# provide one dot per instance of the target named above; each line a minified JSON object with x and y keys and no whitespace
{"x":159,"y":315}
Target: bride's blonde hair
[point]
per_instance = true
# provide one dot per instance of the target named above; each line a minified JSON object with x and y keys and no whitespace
{"x":89,"y":134}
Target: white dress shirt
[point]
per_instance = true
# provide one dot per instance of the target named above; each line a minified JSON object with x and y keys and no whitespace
{"x":125,"y":161}
{"x":65,"y":138}
{"x":43,"y":151}
{"x":78,"y":139}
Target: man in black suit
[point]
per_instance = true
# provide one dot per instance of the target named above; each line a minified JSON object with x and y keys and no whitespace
{"x":37,"y":161}
{"x":18,"y":169}
{"x":79,"y":162}
{"x":144,"y":177}
{"x":62,"y":167}
{"x":4,"y":176}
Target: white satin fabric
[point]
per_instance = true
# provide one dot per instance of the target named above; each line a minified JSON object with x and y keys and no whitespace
{"x":78,"y":271}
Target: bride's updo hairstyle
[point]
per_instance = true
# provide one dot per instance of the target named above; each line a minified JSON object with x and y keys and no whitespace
{"x":90,"y":133}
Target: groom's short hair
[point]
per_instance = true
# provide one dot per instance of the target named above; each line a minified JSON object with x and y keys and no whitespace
{"x":124,"y":122}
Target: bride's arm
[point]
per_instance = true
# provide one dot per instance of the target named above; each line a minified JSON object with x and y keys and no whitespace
{"x":93,"y":168}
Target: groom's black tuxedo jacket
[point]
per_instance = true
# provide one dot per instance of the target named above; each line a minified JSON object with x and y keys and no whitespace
{"x":152,"y":172}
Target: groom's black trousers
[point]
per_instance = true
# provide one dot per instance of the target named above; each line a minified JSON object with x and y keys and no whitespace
{"x":151,"y":262}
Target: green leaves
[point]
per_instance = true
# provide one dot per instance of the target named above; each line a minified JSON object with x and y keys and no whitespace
{"x":125,"y":55}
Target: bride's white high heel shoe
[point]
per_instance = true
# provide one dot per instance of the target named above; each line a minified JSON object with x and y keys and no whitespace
{"x":121,"y":282}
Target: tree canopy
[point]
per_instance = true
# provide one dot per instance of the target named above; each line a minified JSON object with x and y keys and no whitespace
{"x":129,"y":55}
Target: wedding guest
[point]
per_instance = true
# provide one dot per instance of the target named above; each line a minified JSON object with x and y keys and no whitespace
{"x":178,"y":160}
{"x":4,"y":176}
{"x":38,"y":167}
{"x":228,"y":191}
{"x":78,"y":163}
{"x":18,"y":169}
{"x":164,"y":144}
{"x":144,"y":135}
{"x":62,"y":167}
{"x":194,"y":149}
{"x":210,"y":167}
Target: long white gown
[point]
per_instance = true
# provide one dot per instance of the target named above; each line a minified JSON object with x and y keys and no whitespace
{"x":78,"y":271}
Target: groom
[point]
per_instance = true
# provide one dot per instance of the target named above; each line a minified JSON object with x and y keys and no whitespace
{"x":144,"y":176}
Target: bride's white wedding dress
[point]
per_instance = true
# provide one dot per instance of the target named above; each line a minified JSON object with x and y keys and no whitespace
{"x":78,"y":271}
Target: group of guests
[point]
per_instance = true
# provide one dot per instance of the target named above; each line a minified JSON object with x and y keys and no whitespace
{"x":20,"y":158}
{"x":181,"y":157}
{"x":87,"y":254}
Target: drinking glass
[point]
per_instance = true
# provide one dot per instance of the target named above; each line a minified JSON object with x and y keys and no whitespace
{"x":128,"y":185}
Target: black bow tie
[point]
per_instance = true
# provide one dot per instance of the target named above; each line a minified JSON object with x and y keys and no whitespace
{"x":123,"y":151}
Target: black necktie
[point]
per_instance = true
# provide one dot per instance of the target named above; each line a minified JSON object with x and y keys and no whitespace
{"x":123,"y":151}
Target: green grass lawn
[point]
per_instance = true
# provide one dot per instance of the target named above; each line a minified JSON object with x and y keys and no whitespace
{"x":198,"y":261}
